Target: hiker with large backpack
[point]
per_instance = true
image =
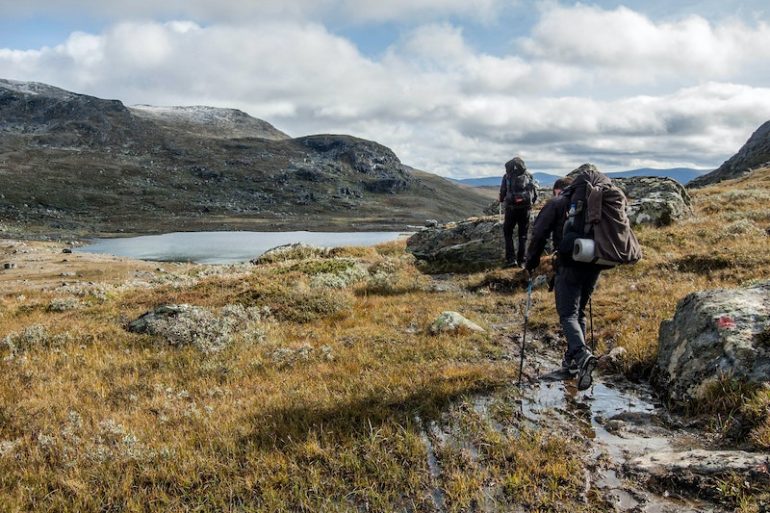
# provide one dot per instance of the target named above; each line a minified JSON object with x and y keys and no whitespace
{"x":591,"y":232}
{"x":517,"y":193}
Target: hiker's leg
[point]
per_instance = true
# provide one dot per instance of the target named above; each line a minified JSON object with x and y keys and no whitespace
{"x":568,"y":291}
{"x":523,"y":231}
{"x":588,"y":279}
{"x":510,"y":219}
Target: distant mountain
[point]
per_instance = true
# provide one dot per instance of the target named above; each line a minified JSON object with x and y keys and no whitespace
{"x":545,"y":180}
{"x":754,"y":154}
{"x":86,"y":165}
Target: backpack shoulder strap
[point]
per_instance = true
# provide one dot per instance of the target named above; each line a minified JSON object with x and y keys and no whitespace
{"x":594,"y":201}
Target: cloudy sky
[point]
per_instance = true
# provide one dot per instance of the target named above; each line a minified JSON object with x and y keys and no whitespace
{"x":456,"y":87}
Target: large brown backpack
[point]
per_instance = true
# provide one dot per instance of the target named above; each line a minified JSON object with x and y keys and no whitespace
{"x":598,"y":230}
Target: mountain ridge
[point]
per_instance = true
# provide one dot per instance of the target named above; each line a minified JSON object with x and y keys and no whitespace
{"x":680,"y":174}
{"x":87,"y":165}
{"x":755,"y":153}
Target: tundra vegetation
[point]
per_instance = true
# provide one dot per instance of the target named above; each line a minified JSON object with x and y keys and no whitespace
{"x":311,"y":382}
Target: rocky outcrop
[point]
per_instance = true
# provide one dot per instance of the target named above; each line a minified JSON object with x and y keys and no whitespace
{"x":714,"y":334}
{"x":654,"y":200}
{"x":754,"y":154}
{"x":472,"y":245}
{"x":364,"y":156}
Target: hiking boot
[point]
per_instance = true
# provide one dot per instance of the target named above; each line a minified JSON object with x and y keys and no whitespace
{"x":511,"y":263}
{"x":586,"y":365}
{"x":570,"y":367}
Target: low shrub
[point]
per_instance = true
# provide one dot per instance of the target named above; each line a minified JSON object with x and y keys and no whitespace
{"x":297,"y":302}
{"x":34,"y":337}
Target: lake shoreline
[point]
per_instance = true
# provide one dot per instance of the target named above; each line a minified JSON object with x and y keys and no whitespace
{"x":226,"y":247}
{"x":76,"y":229}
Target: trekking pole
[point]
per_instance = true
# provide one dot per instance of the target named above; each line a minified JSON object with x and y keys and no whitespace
{"x":591,"y":316}
{"x":526,"y":323}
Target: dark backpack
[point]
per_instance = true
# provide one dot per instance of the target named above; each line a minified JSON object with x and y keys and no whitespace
{"x":597,"y":229}
{"x":519,"y":190}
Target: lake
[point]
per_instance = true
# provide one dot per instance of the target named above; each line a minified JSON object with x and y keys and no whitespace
{"x":225,"y":247}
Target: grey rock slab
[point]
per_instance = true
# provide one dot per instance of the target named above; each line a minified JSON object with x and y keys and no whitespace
{"x":714,"y":333}
{"x":701,"y":462}
{"x":658,"y":201}
{"x":468,"y":246}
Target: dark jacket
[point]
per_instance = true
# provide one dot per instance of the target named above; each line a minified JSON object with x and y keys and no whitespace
{"x":549,"y":222}
{"x":506,"y":184}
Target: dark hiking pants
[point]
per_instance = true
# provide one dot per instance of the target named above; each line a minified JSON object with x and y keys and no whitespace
{"x":515,"y":217}
{"x":573,"y":287}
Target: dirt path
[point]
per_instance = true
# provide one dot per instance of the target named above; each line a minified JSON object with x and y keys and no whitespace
{"x":622,"y":429}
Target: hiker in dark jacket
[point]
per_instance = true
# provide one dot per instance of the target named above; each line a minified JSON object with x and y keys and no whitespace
{"x":517,"y":194}
{"x":574,"y":284}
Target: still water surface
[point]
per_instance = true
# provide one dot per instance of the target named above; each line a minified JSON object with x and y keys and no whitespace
{"x":225,"y":247}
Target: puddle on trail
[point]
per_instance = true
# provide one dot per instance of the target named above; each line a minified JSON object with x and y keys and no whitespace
{"x":624,"y":422}
{"x":594,"y":409}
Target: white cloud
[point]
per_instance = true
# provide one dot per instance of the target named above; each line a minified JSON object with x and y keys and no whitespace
{"x":440,"y":103}
{"x":239,"y":10}
{"x":630,"y":47}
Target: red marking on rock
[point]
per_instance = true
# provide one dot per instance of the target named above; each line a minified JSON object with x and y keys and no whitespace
{"x":726,"y":322}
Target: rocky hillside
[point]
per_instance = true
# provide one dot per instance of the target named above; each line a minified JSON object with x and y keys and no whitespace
{"x":754,"y":154}
{"x":86,"y":165}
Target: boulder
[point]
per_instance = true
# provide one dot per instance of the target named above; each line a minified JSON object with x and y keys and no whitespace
{"x":714,"y":333}
{"x":655,"y":200}
{"x":147,"y":322}
{"x":468,"y":246}
{"x":453,"y":322}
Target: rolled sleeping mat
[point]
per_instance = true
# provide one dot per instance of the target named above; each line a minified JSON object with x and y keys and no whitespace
{"x":584,"y":250}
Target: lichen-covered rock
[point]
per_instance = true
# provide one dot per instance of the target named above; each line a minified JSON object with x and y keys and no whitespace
{"x":452,"y":322}
{"x":293,"y":251}
{"x":714,"y":333}
{"x":183,"y":325}
{"x":468,"y":246}
{"x":658,"y":201}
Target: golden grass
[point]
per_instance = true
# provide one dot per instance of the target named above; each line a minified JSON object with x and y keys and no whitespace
{"x":318,"y":416}
{"x":331,"y":411}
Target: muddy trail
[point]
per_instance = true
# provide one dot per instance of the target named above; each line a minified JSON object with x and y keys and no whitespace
{"x":636,"y":456}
